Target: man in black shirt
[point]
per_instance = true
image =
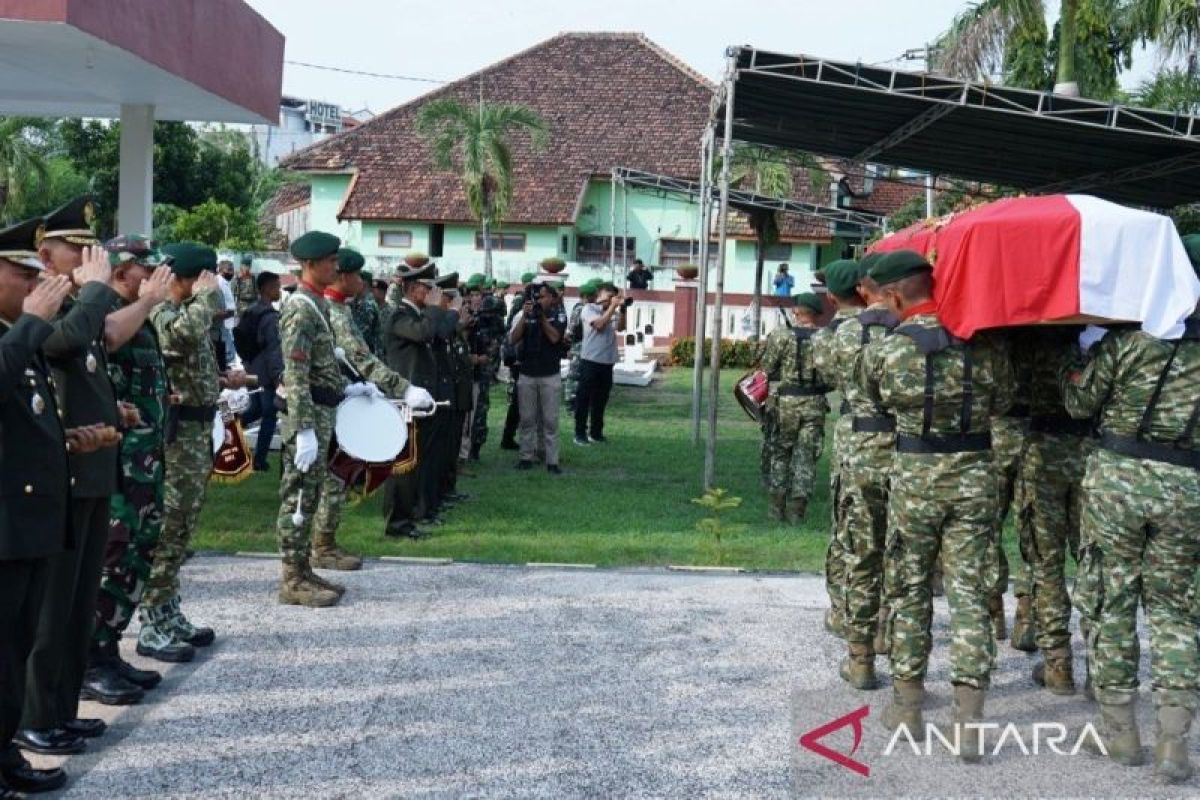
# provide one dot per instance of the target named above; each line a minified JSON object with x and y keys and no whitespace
{"x":537,"y":333}
{"x":257,"y":337}
{"x":639,"y":277}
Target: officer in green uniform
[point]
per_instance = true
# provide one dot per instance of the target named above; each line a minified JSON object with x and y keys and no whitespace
{"x":1138,"y":542}
{"x":139,"y":376}
{"x":326,"y":554}
{"x":35,"y":477}
{"x":245,"y":293}
{"x":442,"y":450}
{"x":78,"y":357}
{"x":463,"y":389}
{"x":364,"y":311}
{"x":313,"y":387}
{"x":181,"y":325}
{"x":485,"y":331}
{"x":797,"y":409}
{"x":943,"y":393}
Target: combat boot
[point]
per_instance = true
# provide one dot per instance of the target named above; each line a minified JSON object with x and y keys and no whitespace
{"x":185,"y":630}
{"x":1119,"y":732}
{"x":858,"y":667}
{"x":327,"y":555}
{"x":1171,"y":762}
{"x":833,"y":623}
{"x":295,"y":589}
{"x":996,"y":612}
{"x":1054,"y":671}
{"x":158,"y":639}
{"x":1024,"y":631}
{"x":797,"y":508}
{"x":968,"y":707}
{"x":905,"y":709}
{"x":881,"y":645}
{"x":777,"y":508}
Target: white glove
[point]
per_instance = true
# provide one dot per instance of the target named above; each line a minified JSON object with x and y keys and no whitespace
{"x":417,"y":397}
{"x":364,"y":389}
{"x":306,"y":449}
{"x":1091,"y":334}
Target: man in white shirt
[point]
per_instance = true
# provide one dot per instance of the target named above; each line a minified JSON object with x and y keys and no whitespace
{"x":601,"y":320}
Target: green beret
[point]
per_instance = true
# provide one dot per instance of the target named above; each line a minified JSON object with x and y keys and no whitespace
{"x":314,"y":245}
{"x":1191,"y":243}
{"x":189,"y":259}
{"x":501,"y":285}
{"x":349,"y":260}
{"x":476,"y":280}
{"x":588,"y":289}
{"x":842,"y":276}
{"x":866,"y":262}
{"x":367,"y":276}
{"x":898,"y":265}
{"x":810,"y":301}
{"x":528,"y":277}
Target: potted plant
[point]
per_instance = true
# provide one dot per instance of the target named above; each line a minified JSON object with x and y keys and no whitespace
{"x":688,"y":272}
{"x":416,"y":260}
{"x":553,"y":265}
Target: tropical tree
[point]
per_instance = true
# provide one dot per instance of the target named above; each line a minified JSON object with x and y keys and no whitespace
{"x":1172,"y":25}
{"x":475,"y":140}
{"x":1171,"y":89}
{"x":23,"y":161}
{"x":767,"y":173}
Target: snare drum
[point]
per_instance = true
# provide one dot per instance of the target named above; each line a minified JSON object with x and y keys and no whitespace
{"x":369,"y":434}
{"x":751,"y":392}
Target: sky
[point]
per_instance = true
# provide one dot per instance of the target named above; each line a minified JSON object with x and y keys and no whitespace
{"x":447,"y":39}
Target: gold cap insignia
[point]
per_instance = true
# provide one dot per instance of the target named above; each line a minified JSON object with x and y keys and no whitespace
{"x":89,"y":212}
{"x":39,"y":236}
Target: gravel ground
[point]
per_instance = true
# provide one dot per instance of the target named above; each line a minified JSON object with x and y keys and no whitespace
{"x":467,"y":680}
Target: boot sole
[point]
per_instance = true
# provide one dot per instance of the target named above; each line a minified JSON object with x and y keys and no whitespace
{"x":337,"y":567}
{"x":291,"y":602}
{"x":170,"y":658}
{"x":110,"y":700}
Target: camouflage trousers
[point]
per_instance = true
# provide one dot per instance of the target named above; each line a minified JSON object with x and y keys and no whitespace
{"x":947,"y":503}
{"x":1139,"y":545}
{"x":302,"y":490}
{"x":1008,"y":447}
{"x":860,"y":521}
{"x":571,"y":382}
{"x":1048,"y":519}
{"x":835,"y":555}
{"x":189,"y":461}
{"x":479,"y":422}
{"x":328,"y":516}
{"x":795,"y":444}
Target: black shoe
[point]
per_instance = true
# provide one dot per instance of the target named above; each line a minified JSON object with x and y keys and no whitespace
{"x":202,"y":637}
{"x":50,"y":742}
{"x":24,"y":778}
{"x":87,"y":728}
{"x":554,"y":469}
{"x":174,"y":653}
{"x":104,"y":683}
{"x":507,"y":444}
{"x":524,"y":464}
{"x":144,"y":678}
{"x":431,"y":521}
{"x":582,"y":441}
{"x":474,"y":454}
{"x":598,"y":438}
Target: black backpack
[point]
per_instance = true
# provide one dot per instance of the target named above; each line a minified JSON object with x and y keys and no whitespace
{"x":245,"y":334}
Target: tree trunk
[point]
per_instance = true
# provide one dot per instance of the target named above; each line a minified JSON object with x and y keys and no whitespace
{"x":486,"y":224}
{"x":1064,"y":78}
{"x":760,"y":247}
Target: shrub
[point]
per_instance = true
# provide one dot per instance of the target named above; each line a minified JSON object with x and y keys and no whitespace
{"x":734,"y":352}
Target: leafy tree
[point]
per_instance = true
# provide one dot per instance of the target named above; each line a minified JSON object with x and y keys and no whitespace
{"x":1171,"y":89}
{"x":217,"y":225}
{"x":1172,"y":25}
{"x":764,"y":170}
{"x":23,"y":169}
{"x":475,"y":140}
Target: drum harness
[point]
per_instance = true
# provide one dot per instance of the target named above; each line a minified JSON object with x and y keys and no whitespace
{"x":802,"y":388}
{"x":1180,"y":452}
{"x":873,"y":318}
{"x":322,"y":396}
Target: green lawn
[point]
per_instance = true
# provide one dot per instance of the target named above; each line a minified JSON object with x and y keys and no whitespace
{"x":626,"y":502}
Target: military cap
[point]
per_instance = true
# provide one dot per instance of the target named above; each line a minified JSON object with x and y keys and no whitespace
{"x":367,"y":276}
{"x":189,"y":259}
{"x":1191,"y":243}
{"x":898,"y":265}
{"x":841,"y":276}
{"x":589,"y":288}
{"x":247,"y":260}
{"x":379,"y":283}
{"x":19,"y":244}
{"x":424,"y":274}
{"x":314,"y":245}
{"x":810,"y":301}
{"x":528,"y":277}
{"x":477,"y":279}
{"x":447,"y":281}
{"x":72,"y":222}
{"x":501,"y":285}
{"x":349,"y":260}
{"x":136,"y":248}
{"x":866,"y":262}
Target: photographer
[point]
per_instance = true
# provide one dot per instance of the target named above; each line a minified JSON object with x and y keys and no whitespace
{"x":537,"y":333}
{"x":601,"y":320}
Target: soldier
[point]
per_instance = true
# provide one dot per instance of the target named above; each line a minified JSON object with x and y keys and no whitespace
{"x":587,"y":293}
{"x":245,"y":292}
{"x":409,"y":339}
{"x":797,"y":409}
{"x":484,"y":334}
{"x":326,"y":554}
{"x":364,"y":312}
{"x":78,"y":358}
{"x":866,"y":446}
{"x":139,"y":377}
{"x":1138,"y":534}
{"x":313,"y":386}
{"x":182,"y":325}
{"x":34,"y":527}
{"x":848,"y":305}
{"x":943,"y":393}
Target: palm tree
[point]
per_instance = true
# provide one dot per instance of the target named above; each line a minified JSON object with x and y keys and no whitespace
{"x":1172,"y":25}
{"x":22,"y":158}
{"x":766,"y":171}
{"x":1171,"y":89}
{"x":477,"y":138}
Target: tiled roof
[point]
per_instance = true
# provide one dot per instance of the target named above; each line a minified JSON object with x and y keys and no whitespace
{"x":287,"y":197}
{"x":609,"y":99}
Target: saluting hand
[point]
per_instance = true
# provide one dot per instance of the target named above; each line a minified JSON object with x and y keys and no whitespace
{"x":47,"y":297}
{"x":95,"y":266}
{"x":206,"y":282}
{"x":157,"y":287}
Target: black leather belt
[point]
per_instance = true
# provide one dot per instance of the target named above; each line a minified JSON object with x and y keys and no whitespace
{"x":195,"y":413}
{"x":874,"y":425}
{"x":329,"y":398}
{"x":967,"y":443}
{"x":1154,"y":451}
{"x":1067,"y":426}
{"x":800,"y":391}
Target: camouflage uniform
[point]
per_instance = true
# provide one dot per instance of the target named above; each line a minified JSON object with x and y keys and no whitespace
{"x":484,"y":339}
{"x":139,"y":376}
{"x":575,"y":331}
{"x":245,"y":293}
{"x":1141,"y":500}
{"x":796,"y":409}
{"x":333,"y":491}
{"x":365,"y":313}
{"x":942,"y":489}
{"x":192,"y":370}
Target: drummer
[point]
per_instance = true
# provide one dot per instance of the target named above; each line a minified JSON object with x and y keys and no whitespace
{"x":347,"y":285}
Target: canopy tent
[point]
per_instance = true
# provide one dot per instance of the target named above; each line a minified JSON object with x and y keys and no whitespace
{"x":1039,"y":142}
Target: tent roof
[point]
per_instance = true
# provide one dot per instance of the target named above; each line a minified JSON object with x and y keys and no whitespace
{"x":1035,"y":141}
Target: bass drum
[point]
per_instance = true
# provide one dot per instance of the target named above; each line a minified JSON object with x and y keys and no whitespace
{"x":369,"y":435}
{"x":751,"y":392}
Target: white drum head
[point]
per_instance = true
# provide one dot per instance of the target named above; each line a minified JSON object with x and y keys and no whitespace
{"x":370,"y":429}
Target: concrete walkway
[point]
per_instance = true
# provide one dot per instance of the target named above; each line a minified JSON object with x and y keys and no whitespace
{"x":458,"y":680}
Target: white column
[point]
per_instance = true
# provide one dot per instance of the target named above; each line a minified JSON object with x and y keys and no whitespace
{"x":135,"y":195}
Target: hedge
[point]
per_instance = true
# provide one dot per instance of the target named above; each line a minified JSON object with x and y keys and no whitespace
{"x":734,"y":352}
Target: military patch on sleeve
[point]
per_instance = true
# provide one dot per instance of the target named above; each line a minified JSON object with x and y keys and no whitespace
{"x":298,"y":355}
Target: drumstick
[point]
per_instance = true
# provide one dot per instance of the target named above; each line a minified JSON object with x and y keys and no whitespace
{"x":340,"y":354}
{"x":298,"y":515}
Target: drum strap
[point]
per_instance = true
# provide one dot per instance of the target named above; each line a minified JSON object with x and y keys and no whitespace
{"x":316,"y":308}
{"x":930,"y":342}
